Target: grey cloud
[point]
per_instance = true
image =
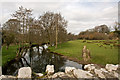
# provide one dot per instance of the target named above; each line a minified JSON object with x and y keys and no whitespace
{"x":80,"y":17}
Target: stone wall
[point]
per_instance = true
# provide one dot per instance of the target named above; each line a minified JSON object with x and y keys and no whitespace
{"x":92,"y":71}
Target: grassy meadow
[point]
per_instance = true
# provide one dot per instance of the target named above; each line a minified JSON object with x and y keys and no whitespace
{"x":102,"y":51}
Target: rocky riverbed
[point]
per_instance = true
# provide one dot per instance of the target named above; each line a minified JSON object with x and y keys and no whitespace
{"x":91,"y":71}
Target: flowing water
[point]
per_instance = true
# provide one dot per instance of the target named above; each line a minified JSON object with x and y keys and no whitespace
{"x":38,"y":60}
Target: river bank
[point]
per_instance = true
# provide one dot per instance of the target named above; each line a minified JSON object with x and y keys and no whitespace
{"x":101,"y":52}
{"x":49,"y":56}
{"x":72,"y":50}
{"x":75,"y":59}
{"x":37,"y":58}
{"x":8,"y":54}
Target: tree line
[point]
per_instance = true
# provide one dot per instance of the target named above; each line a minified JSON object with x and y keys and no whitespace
{"x":49,"y":28}
{"x":102,"y":32}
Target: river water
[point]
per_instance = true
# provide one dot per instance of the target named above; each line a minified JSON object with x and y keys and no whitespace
{"x":38,"y":60}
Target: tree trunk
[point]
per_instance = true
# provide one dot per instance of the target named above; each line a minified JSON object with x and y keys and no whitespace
{"x":23,"y":33}
{"x":56,"y":33}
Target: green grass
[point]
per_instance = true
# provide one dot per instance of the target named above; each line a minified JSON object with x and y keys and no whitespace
{"x":100,"y":55}
{"x":9,"y":54}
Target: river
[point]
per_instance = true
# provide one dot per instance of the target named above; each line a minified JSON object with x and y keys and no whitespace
{"x":38,"y":60}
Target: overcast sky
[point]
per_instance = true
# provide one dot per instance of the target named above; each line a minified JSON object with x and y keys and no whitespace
{"x":80,"y":14}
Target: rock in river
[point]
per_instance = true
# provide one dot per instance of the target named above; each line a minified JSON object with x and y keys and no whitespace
{"x":111,"y":67}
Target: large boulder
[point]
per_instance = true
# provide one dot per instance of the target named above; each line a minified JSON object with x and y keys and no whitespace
{"x":24,"y":72}
{"x":39,"y":74}
{"x":59,"y":75}
{"x":104,"y":70}
{"x":111,"y":67}
{"x":91,"y":67}
{"x":50,"y":69}
{"x":68,"y":70}
{"x":103,"y":73}
{"x":2,"y":76}
{"x":78,"y":73}
{"x":7,"y":77}
{"x":115,"y":74}
{"x":99,"y":73}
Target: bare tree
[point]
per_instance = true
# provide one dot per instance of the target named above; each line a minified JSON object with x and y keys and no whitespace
{"x":52,"y":23}
{"x":49,"y":28}
{"x":23,"y":15}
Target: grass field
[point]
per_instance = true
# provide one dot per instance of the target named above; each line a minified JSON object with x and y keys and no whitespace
{"x":101,"y":53}
{"x":9,"y":54}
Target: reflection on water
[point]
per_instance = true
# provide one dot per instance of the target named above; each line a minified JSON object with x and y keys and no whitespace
{"x":38,"y":60}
